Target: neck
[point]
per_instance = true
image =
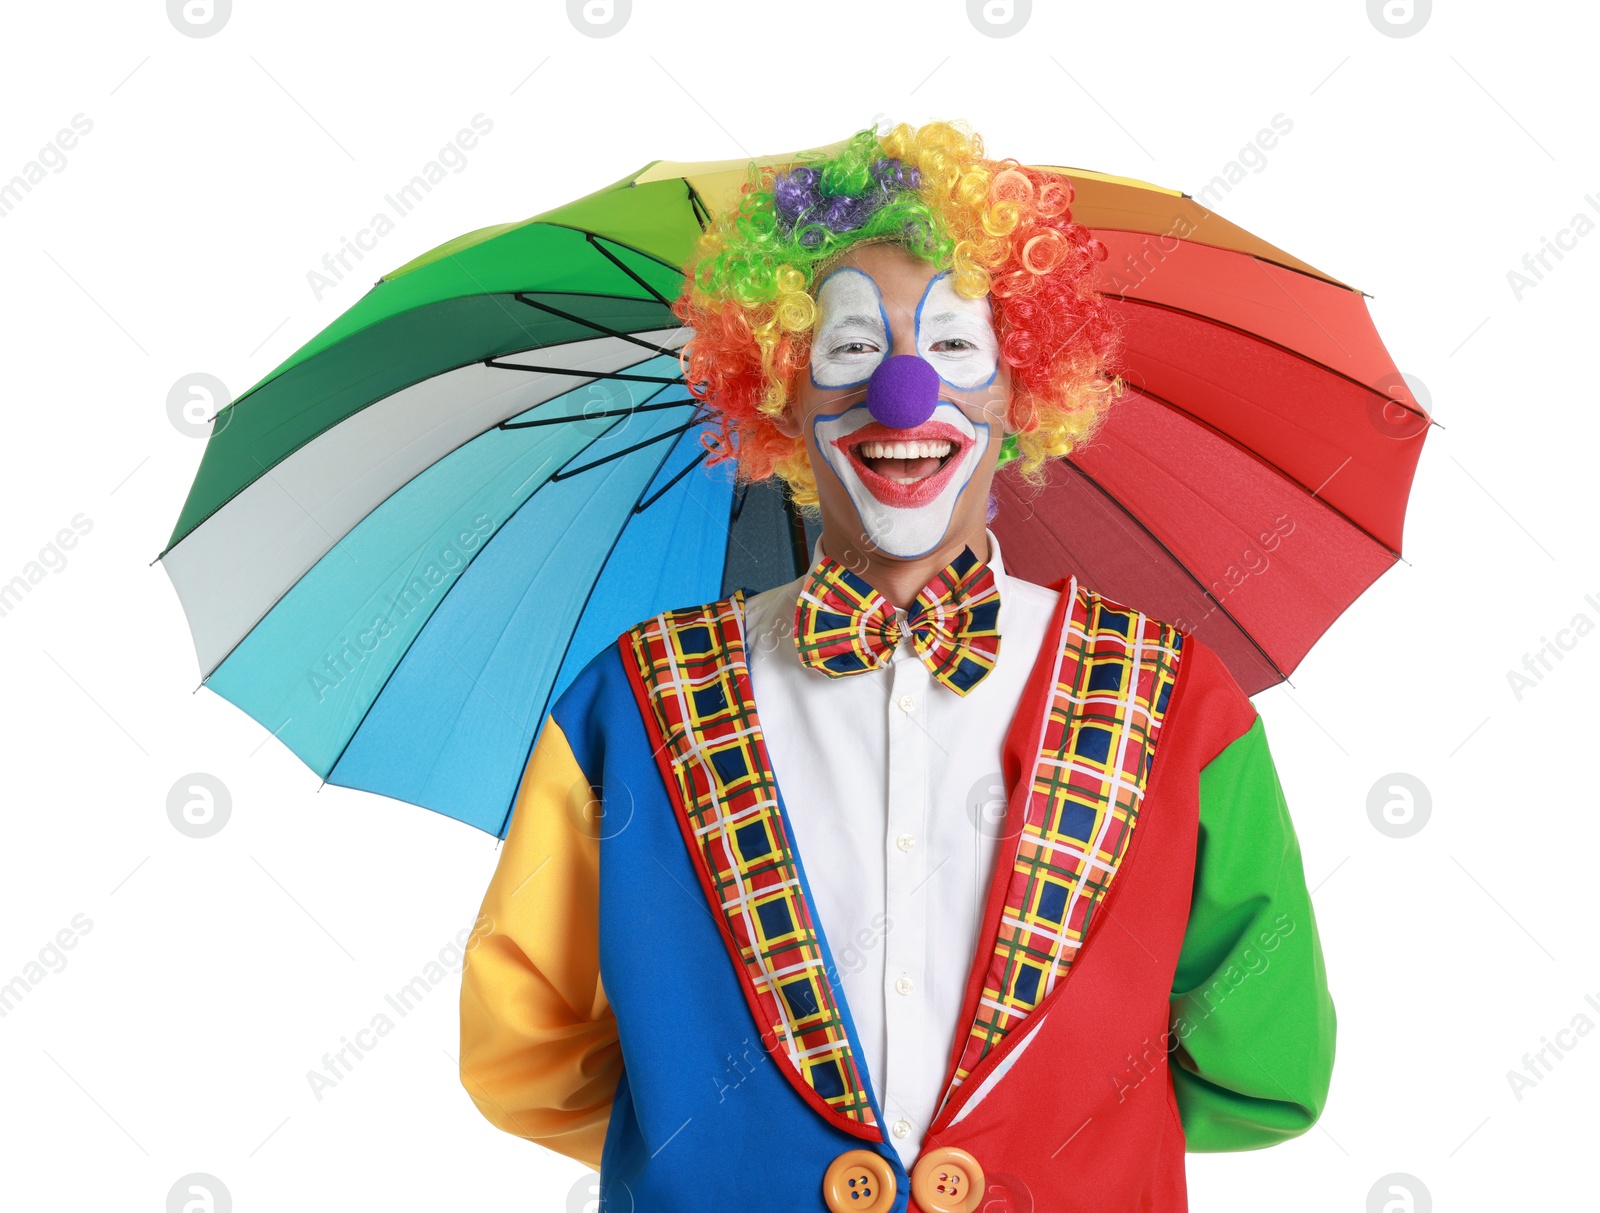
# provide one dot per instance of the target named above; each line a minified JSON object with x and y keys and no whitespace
{"x":900,"y":581}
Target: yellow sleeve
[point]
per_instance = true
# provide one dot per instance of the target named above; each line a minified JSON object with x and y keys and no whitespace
{"x":539,"y":1051}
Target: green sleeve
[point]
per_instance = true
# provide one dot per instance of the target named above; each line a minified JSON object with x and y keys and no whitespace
{"x":1252,"y":1023}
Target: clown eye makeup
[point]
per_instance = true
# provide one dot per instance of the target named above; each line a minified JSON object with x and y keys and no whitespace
{"x":956,"y":335}
{"x":852,"y":334}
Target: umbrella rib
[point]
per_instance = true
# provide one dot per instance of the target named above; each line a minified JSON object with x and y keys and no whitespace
{"x":1188,"y":572}
{"x":622,"y":244}
{"x":522,"y":298}
{"x":739,"y":497}
{"x":1265,"y":462}
{"x":581,"y":374}
{"x":638,"y":408}
{"x":1277,"y":345}
{"x":508,"y":424}
{"x":618,"y":262}
{"x":664,"y":489}
{"x":588,"y":597}
{"x":702,"y":214}
{"x":563,"y":474}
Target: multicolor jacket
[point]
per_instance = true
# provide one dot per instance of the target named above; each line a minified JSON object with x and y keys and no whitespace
{"x":651,"y":993}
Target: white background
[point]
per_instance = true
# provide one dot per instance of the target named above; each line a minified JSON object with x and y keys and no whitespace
{"x":219,"y":171}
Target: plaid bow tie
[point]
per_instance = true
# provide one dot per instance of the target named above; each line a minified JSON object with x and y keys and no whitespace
{"x":843,"y":626}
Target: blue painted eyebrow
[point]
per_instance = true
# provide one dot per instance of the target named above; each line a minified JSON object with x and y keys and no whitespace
{"x":916,"y":330}
{"x":917,"y":333}
{"x":883,"y":316}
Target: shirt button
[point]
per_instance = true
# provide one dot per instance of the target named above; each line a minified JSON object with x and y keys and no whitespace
{"x":908,"y":704}
{"x":906,"y":841}
{"x":902,"y":1128}
{"x":903,"y":985}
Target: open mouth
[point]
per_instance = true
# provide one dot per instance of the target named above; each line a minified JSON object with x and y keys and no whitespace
{"x":905,"y":468}
{"x":905,"y":462}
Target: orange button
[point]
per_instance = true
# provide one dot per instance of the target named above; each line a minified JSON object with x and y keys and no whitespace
{"x":859,"y":1180}
{"x":947,"y":1180}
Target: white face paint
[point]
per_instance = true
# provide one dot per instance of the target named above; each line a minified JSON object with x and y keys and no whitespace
{"x":853,"y":334}
{"x":956,"y":334}
{"x":902,"y":520}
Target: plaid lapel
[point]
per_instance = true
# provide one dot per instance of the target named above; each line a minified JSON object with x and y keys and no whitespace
{"x":1073,"y":819}
{"x":689,"y":667}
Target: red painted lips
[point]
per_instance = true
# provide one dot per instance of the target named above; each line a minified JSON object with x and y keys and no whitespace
{"x":892,"y":492}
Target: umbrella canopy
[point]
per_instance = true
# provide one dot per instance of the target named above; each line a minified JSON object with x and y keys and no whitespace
{"x":405,"y":542}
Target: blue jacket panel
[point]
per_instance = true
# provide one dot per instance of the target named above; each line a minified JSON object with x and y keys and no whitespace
{"x":703,"y":1116}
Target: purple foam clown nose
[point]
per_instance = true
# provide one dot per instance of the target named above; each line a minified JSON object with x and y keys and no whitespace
{"x":903,"y":392}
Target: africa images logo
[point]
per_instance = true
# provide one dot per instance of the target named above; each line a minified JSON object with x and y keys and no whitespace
{"x":52,"y":156}
{"x":999,"y":18}
{"x":199,"y":18}
{"x":1399,"y":18}
{"x":452,"y":158}
{"x":599,"y":18}
{"x":349,"y":651}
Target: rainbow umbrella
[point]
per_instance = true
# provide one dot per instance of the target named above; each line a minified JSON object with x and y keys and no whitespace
{"x":406,"y":541}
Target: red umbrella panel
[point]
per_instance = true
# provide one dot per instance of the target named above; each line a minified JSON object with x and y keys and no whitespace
{"x":1252,"y":480}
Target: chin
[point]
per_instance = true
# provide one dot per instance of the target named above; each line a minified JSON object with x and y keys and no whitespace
{"x":904,"y":484}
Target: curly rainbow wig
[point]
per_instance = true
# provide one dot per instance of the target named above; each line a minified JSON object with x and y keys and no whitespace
{"x":1000,"y":228}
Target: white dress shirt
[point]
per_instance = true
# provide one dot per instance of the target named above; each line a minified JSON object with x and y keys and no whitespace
{"x":892,"y":785}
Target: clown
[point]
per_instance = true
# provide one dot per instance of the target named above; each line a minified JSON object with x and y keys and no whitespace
{"x":909,"y":885}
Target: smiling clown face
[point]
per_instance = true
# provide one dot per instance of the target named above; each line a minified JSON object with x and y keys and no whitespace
{"x":911,"y":487}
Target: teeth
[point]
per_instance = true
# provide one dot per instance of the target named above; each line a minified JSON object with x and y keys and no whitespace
{"x":937,"y":449}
